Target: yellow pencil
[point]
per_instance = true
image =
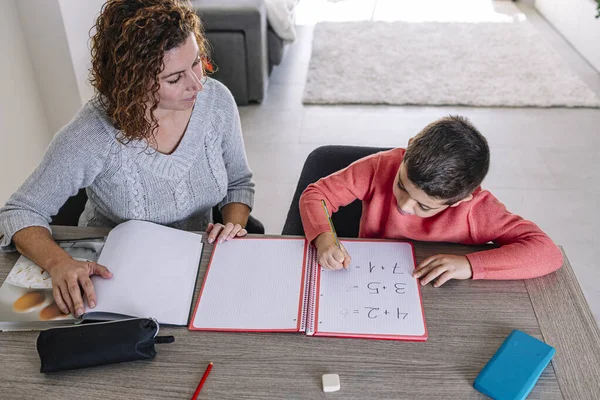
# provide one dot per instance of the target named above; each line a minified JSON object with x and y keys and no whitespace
{"x":337,"y":242}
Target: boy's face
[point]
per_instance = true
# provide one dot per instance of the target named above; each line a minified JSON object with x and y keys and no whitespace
{"x":413,"y":201}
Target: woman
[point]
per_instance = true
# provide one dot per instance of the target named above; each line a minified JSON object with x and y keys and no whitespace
{"x":160,"y":142}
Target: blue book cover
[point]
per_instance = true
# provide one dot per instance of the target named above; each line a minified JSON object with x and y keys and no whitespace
{"x":515,"y":368}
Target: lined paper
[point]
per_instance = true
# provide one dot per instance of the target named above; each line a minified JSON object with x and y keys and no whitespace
{"x":376,"y":295}
{"x":252,"y":284}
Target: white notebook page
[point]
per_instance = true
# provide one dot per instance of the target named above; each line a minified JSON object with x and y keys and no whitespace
{"x":155,"y":270}
{"x":376,"y":295}
{"x":252,"y":284}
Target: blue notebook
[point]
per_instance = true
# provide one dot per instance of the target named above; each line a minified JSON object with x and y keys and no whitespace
{"x":515,"y":368}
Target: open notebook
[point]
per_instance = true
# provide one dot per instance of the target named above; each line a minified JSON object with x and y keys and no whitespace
{"x":155,"y":270}
{"x":277,"y":285}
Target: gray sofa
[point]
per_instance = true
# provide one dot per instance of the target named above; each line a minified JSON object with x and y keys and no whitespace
{"x":243,"y":47}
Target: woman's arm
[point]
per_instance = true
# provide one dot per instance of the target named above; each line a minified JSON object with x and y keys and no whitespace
{"x":240,"y":186}
{"x":236,"y":213}
{"x":235,"y":217}
{"x":67,"y":274}
{"x":74,"y":159}
{"x":238,"y":201}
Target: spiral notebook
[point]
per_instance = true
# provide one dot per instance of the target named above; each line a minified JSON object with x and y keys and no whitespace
{"x":277,"y":285}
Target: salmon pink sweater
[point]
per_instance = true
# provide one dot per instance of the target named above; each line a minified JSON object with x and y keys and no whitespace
{"x":525,"y":250}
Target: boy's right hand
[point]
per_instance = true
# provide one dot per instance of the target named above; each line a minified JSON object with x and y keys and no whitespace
{"x":329,"y":255}
{"x":69,"y":277}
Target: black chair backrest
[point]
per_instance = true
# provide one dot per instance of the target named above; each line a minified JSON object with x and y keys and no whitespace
{"x":70,"y":211}
{"x":321,"y":162}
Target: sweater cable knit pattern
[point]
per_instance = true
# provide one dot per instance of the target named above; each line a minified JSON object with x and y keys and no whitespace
{"x":133,"y":181}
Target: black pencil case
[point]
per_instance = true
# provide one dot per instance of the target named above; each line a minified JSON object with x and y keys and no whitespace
{"x":94,"y":344}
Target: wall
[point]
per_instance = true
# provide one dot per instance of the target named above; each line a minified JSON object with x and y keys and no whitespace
{"x":79,"y":17}
{"x":44,"y":68}
{"x":575,"y":20}
{"x":24,"y":132}
{"x":44,"y":31}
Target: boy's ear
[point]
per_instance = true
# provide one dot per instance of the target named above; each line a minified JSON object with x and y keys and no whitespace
{"x":409,"y":141}
{"x":469,"y":197}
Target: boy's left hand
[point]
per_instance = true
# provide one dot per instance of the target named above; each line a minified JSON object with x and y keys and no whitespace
{"x":443,"y":267}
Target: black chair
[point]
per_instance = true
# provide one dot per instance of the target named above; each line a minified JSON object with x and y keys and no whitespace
{"x":69,"y":214}
{"x":321,"y":162}
{"x":70,"y":211}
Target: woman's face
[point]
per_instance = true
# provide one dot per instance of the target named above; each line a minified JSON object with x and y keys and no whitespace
{"x":180,"y":80}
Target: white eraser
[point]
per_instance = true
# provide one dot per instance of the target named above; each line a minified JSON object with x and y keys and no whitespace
{"x":331,"y":382}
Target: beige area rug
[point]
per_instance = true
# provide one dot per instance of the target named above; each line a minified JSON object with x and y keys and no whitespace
{"x":473,"y":64}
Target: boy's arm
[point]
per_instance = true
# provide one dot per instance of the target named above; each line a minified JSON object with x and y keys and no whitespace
{"x":525,"y":250}
{"x":338,"y":189}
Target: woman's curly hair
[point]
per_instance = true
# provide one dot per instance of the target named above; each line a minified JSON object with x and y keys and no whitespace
{"x":128,"y":48}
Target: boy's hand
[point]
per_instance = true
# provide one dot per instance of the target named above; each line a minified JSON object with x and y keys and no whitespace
{"x":329,"y":255}
{"x":443,"y":267}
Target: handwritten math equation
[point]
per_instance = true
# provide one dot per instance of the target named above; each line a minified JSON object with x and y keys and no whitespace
{"x":375,"y":312}
{"x":396,"y":270}
{"x":379,"y":288}
{"x":378,"y":281}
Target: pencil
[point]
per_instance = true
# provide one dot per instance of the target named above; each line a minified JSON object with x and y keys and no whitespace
{"x":195,"y":396}
{"x":337,"y":242}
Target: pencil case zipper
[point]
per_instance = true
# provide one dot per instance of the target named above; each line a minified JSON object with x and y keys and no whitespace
{"x":79,"y":324}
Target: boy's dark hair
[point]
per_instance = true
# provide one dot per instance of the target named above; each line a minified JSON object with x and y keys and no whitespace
{"x":448,"y":159}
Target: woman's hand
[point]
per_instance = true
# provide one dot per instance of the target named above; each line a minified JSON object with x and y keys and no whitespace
{"x":225,"y":232}
{"x":443,"y":267}
{"x":69,"y":278}
{"x":329,"y":255}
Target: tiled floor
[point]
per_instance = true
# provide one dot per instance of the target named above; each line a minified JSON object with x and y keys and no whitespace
{"x":544,"y":161}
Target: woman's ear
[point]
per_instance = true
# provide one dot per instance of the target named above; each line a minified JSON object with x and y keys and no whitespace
{"x":469,"y":197}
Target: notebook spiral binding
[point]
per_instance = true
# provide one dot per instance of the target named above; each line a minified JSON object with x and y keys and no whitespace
{"x":312,"y":291}
{"x":306,"y":293}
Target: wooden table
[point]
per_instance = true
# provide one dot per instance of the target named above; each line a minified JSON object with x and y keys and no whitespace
{"x":467,"y":322}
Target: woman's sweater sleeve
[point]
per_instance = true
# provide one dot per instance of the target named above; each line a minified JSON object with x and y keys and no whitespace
{"x":240,"y":186}
{"x":72,"y":161}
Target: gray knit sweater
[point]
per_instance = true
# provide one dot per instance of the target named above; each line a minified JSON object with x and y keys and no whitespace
{"x":133,"y":181}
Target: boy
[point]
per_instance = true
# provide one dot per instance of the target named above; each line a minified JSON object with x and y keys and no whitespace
{"x":430,"y":192}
